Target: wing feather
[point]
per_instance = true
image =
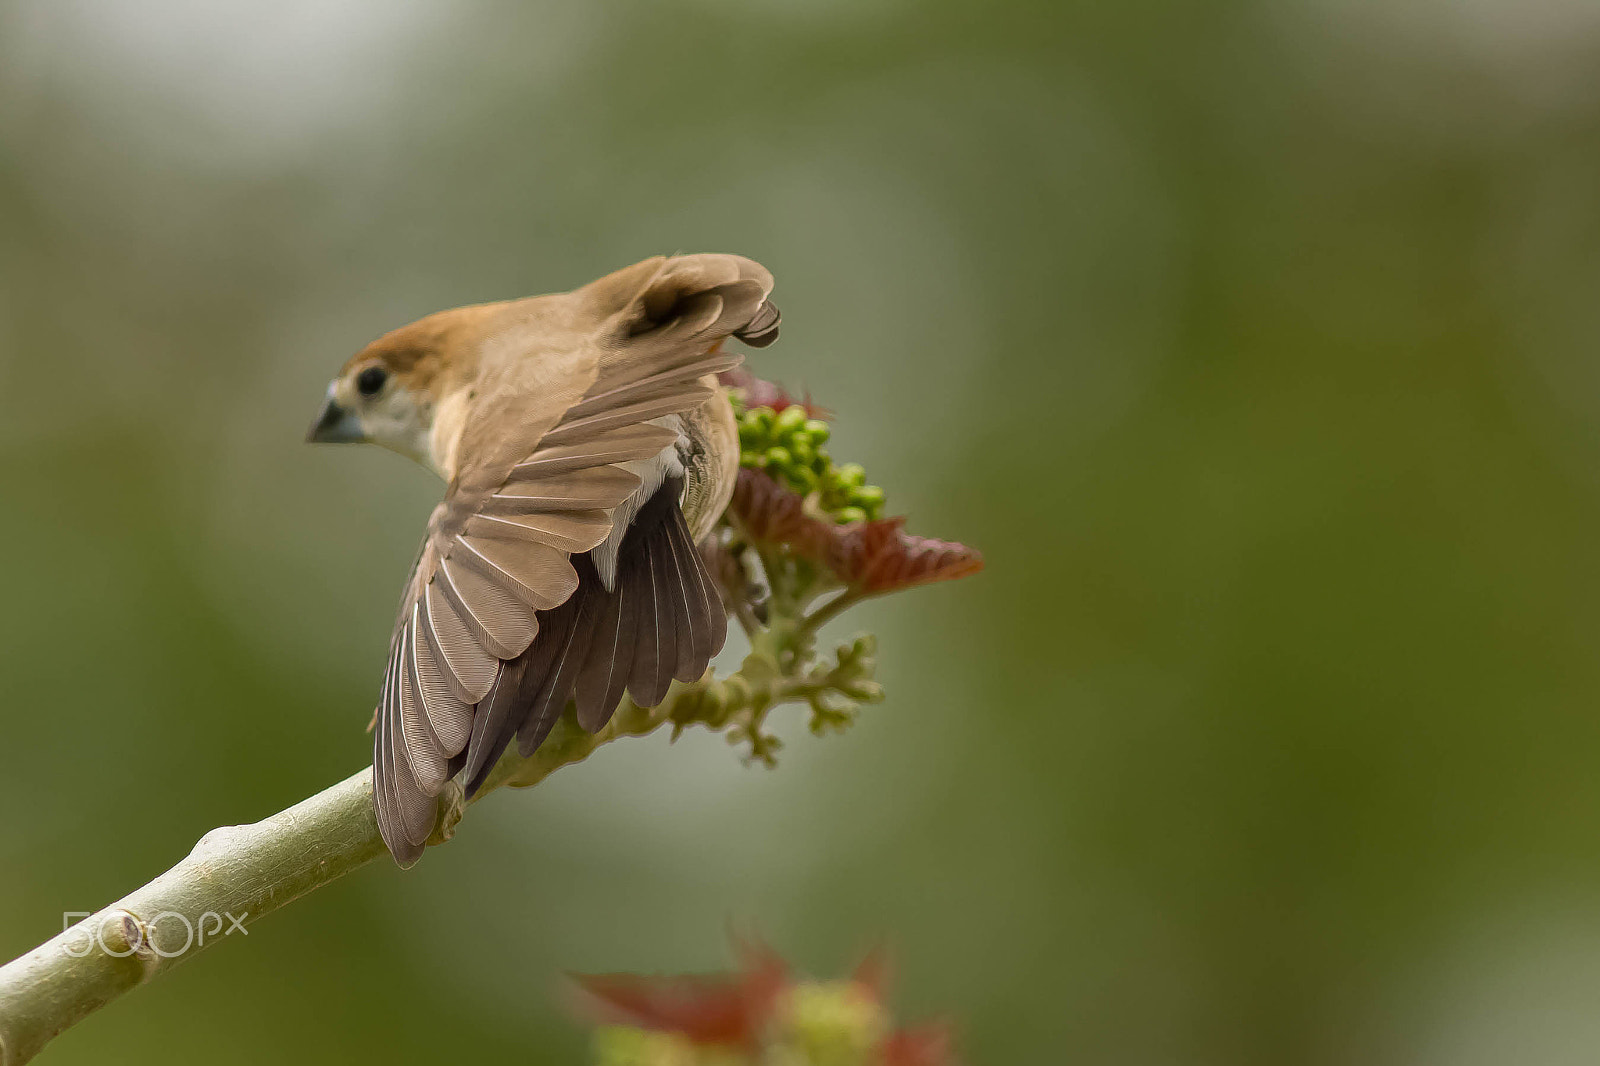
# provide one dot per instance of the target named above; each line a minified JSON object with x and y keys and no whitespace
{"x":624,"y":444}
{"x":604,"y":675}
{"x":694,"y":634}
{"x":406,"y":820}
{"x":561,"y":675}
{"x":643,"y":388}
{"x":468,"y":666}
{"x":490,"y":724}
{"x":385,"y":802}
{"x":535,"y":573}
{"x":449,"y":716}
{"x":601,"y":487}
{"x":683,"y":398}
{"x":423,"y":752}
{"x":569,"y":531}
{"x":503,"y":624}
{"x":609,"y":662}
{"x":669,"y":613}
{"x":648,"y":682}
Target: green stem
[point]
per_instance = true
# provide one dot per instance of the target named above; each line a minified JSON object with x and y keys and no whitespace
{"x":236,"y":873}
{"x":811,"y":623}
{"x":241,"y":873}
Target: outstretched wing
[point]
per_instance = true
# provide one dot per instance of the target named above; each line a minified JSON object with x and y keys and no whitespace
{"x":576,"y":431}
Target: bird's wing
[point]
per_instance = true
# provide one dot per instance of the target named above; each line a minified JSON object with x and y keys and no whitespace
{"x":493,"y":635}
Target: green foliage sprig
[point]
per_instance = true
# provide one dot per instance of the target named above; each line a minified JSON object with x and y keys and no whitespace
{"x":801,"y":542}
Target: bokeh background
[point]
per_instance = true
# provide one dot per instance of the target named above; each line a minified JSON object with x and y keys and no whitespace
{"x":1254,"y":342}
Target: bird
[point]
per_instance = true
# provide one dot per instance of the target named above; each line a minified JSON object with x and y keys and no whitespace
{"x":587,"y":449}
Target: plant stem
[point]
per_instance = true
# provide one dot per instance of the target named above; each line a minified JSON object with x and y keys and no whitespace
{"x":237,"y":874}
{"x":811,"y":623}
{"x":240,"y":873}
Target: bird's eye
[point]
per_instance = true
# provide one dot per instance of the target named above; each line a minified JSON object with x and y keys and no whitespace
{"x":370,"y":380}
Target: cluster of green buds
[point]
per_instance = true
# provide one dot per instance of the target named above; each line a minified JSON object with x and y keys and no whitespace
{"x":790,"y":446}
{"x":836,"y":693}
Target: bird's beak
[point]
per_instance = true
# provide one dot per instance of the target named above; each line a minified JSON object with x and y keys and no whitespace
{"x":336,"y":425}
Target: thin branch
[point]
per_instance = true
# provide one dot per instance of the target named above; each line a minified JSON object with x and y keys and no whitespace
{"x":747,"y":618}
{"x":811,"y":623}
{"x":242,"y":872}
{"x":237,"y":874}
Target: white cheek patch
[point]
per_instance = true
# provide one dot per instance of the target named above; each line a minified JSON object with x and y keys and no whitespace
{"x":395,"y":422}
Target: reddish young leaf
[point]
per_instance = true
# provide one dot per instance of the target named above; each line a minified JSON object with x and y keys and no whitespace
{"x":882,"y":557}
{"x":716,"y":1010}
{"x":872,"y":557}
{"x":770,"y":512}
{"x":925,"y":1045}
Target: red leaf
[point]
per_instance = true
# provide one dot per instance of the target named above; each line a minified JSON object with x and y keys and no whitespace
{"x":768,"y":511}
{"x":721,"y":1010}
{"x":881,"y":557}
{"x":872,"y":557}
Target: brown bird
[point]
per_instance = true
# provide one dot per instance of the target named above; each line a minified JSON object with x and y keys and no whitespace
{"x":587,"y":448}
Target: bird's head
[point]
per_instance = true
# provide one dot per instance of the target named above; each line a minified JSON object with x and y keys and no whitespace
{"x":390,"y":392}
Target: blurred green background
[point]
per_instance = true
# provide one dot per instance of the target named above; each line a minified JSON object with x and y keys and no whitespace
{"x":1255,"y":344}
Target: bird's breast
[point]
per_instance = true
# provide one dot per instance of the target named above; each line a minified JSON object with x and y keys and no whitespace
{"x":444,"y":439}
{"x":711,"y":462}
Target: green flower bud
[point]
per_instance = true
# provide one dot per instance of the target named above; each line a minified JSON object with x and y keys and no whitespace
{"x":852,"y":514}
{"x":736,"y":692}
{"x":713,"y":704}
{"x":790,"y":419}
{"x":621,"y":1046}
{"x":818,"y":429}
{"x":864,"y":691}
{"x":779,"y":458}
{"x":852,"y":474}
{"x":832,"y":1022}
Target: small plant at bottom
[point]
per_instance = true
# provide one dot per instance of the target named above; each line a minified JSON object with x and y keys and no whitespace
{"x":759,"y":1015}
